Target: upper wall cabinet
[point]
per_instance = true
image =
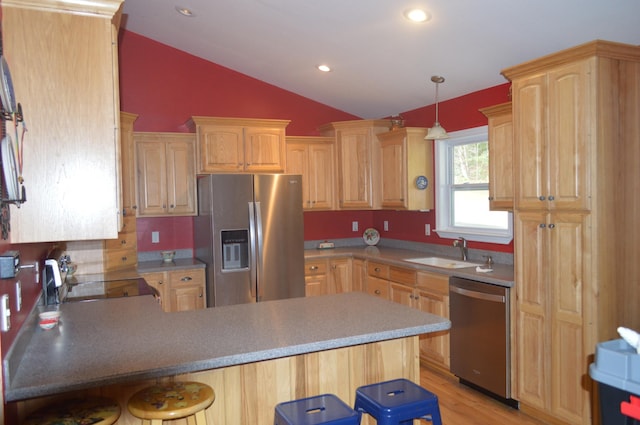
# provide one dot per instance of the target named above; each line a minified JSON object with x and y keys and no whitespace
{"x":313,"y":158}
{"x":64,"y":66}
{"x":407,"y":169}
{"x":500,"y":156}
{"x":239,"y":145}
{"x":165,"y":176}
{"x":358,"y":159}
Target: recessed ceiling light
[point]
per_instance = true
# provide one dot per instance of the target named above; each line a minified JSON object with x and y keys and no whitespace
{"x":324,"y":68}
{"x":185,"y":11}
{"x":417,"y":15}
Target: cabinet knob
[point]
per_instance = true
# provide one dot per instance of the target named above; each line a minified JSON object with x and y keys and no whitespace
{"x":160,"y":282}
{"x":126,"y":294}
{"x":491,"y":198}
{"x":124,"y":258}
{"x":186,"y":279}
{"x":551,"y":226}
{"x":551,"y":198}
{"x":542,"y":225}
{"x":172,"y":206}
{"x":377,"y":269}
{"x":542,"y":198}
{"x":334,"y":267}
{"x":200,"y":296}
{"x":377,"y":292}
{"x":313,"y":268}
{"x":123,"y":242}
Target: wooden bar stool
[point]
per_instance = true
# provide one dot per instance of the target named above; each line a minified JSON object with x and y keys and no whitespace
{"x":77,"y":411}
{"x":398,"y":402}
{"x":173,"y":400}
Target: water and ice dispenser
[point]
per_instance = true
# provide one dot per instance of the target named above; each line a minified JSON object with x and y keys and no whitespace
{"x":235,"y":249}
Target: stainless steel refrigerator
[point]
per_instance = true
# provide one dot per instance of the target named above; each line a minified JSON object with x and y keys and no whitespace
{"x":249,"y":232}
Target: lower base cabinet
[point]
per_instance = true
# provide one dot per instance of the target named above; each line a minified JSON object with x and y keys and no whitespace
{"x":180,"y":290}
{"x":432,"y":296}
{"x":327,"y":276}
{"x":425,"y":291}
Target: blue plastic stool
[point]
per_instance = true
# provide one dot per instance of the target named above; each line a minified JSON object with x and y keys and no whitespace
{"x":398,"y":402}
{"x":324,"y":409}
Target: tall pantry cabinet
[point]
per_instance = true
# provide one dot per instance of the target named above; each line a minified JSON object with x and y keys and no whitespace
{"x":576,"y":119}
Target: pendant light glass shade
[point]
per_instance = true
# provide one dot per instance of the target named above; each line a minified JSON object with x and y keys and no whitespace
{"x":437,"y":132}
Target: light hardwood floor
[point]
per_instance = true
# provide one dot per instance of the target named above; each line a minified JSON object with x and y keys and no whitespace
{"x":460,"y":405}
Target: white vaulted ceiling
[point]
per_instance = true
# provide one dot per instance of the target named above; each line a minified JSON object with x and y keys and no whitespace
{"x":382,"y":63}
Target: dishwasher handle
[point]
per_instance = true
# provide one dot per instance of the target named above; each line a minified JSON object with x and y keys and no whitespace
{"x":478,"y":295}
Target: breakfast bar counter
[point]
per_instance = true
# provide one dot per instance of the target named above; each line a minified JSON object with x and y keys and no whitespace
{"x":286,"y":348}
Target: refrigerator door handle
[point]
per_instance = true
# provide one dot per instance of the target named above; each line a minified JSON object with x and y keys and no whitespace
{"x":253,"y":254}
{"x":259,"y":245}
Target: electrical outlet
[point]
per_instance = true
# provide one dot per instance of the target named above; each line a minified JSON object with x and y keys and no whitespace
{"x":155,"y":237}
{"x":386,"y":226}
{"x":354,"y":226}
{"x":427,"y":229}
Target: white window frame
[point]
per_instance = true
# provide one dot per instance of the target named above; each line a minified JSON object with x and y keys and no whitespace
{"x":444,"y":179}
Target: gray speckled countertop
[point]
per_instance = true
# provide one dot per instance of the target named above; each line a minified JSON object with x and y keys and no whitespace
{"x":152,"y":266}
{"x":125,"y":339}
{"x":501,"y":275}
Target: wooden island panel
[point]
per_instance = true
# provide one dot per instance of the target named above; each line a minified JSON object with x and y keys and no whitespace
{"x":248,"y":393}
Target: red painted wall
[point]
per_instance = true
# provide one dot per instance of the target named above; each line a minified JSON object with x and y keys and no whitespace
{"x":165,"y":86}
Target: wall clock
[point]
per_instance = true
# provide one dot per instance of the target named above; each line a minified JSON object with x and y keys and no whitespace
{"x":422,"y":182}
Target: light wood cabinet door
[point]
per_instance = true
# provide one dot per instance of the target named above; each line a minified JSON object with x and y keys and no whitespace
{"x":159,"y":281}
{"x":264,"y":149}
{"x":500,"y":122}
{"x":432,"y":296}
{"x":152,"y":178}
{"x":166,"y":179}
{"x":339,"y":275}
{"x":313,"y":158}
{"x":358,"y":275}
{"x":221,"y":149}
{"x":355,"y":156}
{"x":71,"y":107}
{"x":315,"y":277}
{"x":239,"y":145}
{"x":549,"y":108}
{"x":358,"y":161}
{"x":186,"y":290}
{"x":405,"y":155}
{"x":128,"y":165}
{"x":181,"y":177}
{"x":550,"y":316}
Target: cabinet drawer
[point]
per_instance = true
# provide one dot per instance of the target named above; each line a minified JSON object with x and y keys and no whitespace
{"x":378,"y":287}
{"x":190,"y":276}
{"x":124,"y":241}
{"x":434,"y":282}
{"x":120,"y":258}
{"x":315,"y":267}
{"x":402,"y":275}
{"x":378,"y":270}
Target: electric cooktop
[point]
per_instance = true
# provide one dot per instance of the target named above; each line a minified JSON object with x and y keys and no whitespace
{"x":85,"y":291}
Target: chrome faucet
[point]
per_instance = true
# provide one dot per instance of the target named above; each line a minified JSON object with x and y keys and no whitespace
{"x":462,"y":244}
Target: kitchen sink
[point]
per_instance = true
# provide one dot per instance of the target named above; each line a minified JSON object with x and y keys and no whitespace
{"x":445,"y":263}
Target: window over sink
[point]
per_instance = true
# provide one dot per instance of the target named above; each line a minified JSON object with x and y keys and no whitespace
{"x":462,"y":190}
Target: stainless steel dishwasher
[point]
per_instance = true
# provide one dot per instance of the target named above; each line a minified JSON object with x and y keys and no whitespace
{"x":480,"y":349}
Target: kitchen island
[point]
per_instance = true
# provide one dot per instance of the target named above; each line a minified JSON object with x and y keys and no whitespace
{"x":253,"y":355}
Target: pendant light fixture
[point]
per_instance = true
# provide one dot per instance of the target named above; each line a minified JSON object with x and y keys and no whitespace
{"x":437,"y":132}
